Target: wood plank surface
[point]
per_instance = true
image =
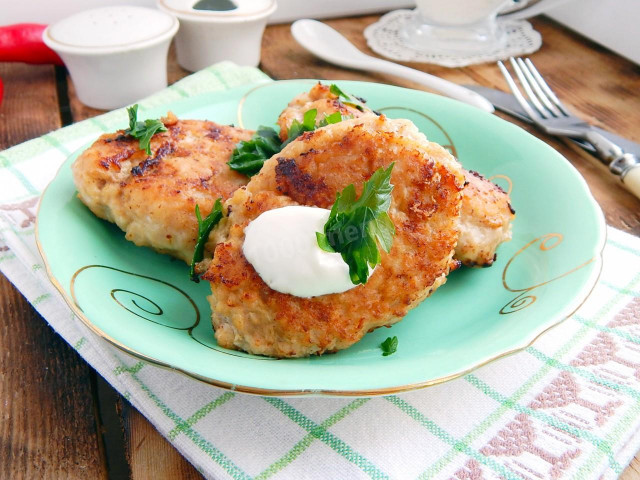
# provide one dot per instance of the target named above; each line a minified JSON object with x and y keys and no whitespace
{"x":30,"y":106}
{"x":57,"y":414}
{"x":48,"y":425}
{"x":48,"y":421}
{"x":149,"y":454}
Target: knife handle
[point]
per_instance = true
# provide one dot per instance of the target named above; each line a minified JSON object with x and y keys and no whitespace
{"x":607,"y":150}
{"x":632,"y":181}
{"x":627,"y":166}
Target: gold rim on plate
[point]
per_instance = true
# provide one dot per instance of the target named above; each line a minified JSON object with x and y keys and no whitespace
{"x":319,"y":392}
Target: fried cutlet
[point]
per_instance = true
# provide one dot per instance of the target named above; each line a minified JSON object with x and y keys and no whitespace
{"x":486,"y":209}
{"x":152,"y":198}
{"x":485,"y":221}
{"x":425,"y":209}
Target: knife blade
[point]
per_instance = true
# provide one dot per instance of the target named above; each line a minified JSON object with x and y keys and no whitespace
{"x":507,"y":103}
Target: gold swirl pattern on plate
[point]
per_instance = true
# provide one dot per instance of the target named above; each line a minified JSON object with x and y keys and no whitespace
{"x":140,"y":305}
{"x":144,"y":307}
{"x":506,"y":179}
{"x":116,"y":291}
{"x":547,"y":242}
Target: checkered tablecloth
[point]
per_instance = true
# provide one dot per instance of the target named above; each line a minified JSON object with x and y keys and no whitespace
{"x":567,"y":407}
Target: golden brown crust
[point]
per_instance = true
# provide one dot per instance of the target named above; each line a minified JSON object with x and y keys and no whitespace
{"x":425,"y":210}
{"x":485,"y":221}
{"x":152,"y":198}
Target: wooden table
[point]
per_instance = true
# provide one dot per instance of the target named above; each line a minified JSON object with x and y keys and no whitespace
{"x":61,"y":420}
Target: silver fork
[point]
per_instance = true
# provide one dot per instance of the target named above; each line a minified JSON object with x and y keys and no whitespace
{"x":549,"y":114}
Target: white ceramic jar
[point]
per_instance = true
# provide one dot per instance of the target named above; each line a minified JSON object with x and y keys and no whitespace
{"x":210,"y":36}
{"x":115,"y":55}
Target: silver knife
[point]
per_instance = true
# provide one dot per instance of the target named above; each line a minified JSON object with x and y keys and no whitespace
{"x":507,"y":103}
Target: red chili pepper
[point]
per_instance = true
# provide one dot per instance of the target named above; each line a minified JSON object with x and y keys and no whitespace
{"x":22,"y":42}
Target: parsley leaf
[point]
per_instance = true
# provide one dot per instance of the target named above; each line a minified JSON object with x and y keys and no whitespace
{"x":204,"y":229}
{"x":389,"y":346}
{"x":335,"y":117}
{"x":309,"y":124}
{"x":354,"y":102}
{"x":249,"y":156}
{"x":143,"y":131}
{"x":323,"y":242}
{"x":335,"y":89}
{"x":133,"y":118}
{"x":296,"y":128}
{"x":354,"y":226}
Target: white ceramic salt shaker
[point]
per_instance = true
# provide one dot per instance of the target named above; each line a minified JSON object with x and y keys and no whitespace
{"x":215,"y":30}
{"x":115,"y":55}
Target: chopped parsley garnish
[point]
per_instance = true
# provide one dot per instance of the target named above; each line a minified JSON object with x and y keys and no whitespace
{"x":389,"y":346}
{"x":355,"y":227}
{"x":204,"y":229}
{"x":143,"y":131}
{"x":297,"y":128}
{"x":351,"y":101}
{"x":249,"y":156}
{"x":309,"y":124}
{"x":335,"y":117}
{"x":335,"y":89}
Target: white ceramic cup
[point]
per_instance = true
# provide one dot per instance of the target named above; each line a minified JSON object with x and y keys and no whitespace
{"x":112,"y":60}
{"x":451,"y":13}
{"x":457,"y":26}
{"x":207,"y":37}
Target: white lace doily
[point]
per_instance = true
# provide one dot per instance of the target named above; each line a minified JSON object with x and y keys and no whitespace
{"x":384,"y":37}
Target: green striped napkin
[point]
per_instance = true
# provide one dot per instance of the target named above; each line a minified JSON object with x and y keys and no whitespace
{"x":567,"y":407}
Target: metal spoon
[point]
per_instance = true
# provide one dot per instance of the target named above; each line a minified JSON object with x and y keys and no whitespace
{"x":329,"y":45}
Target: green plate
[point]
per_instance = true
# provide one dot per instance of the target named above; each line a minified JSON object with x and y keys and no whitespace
{"x":144,"y":303}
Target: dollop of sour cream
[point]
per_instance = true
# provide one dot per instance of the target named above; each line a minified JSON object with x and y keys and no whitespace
{"x":282,"y":247}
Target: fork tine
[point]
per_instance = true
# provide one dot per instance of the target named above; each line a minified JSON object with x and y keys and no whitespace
{"x":538,"y":90}
{"x":527,"y":88}
{"x":545,"y":87}
{"x":516,"y":93}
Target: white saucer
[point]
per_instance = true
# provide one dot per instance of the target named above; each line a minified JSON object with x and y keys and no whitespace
{"x":388,"y":38}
